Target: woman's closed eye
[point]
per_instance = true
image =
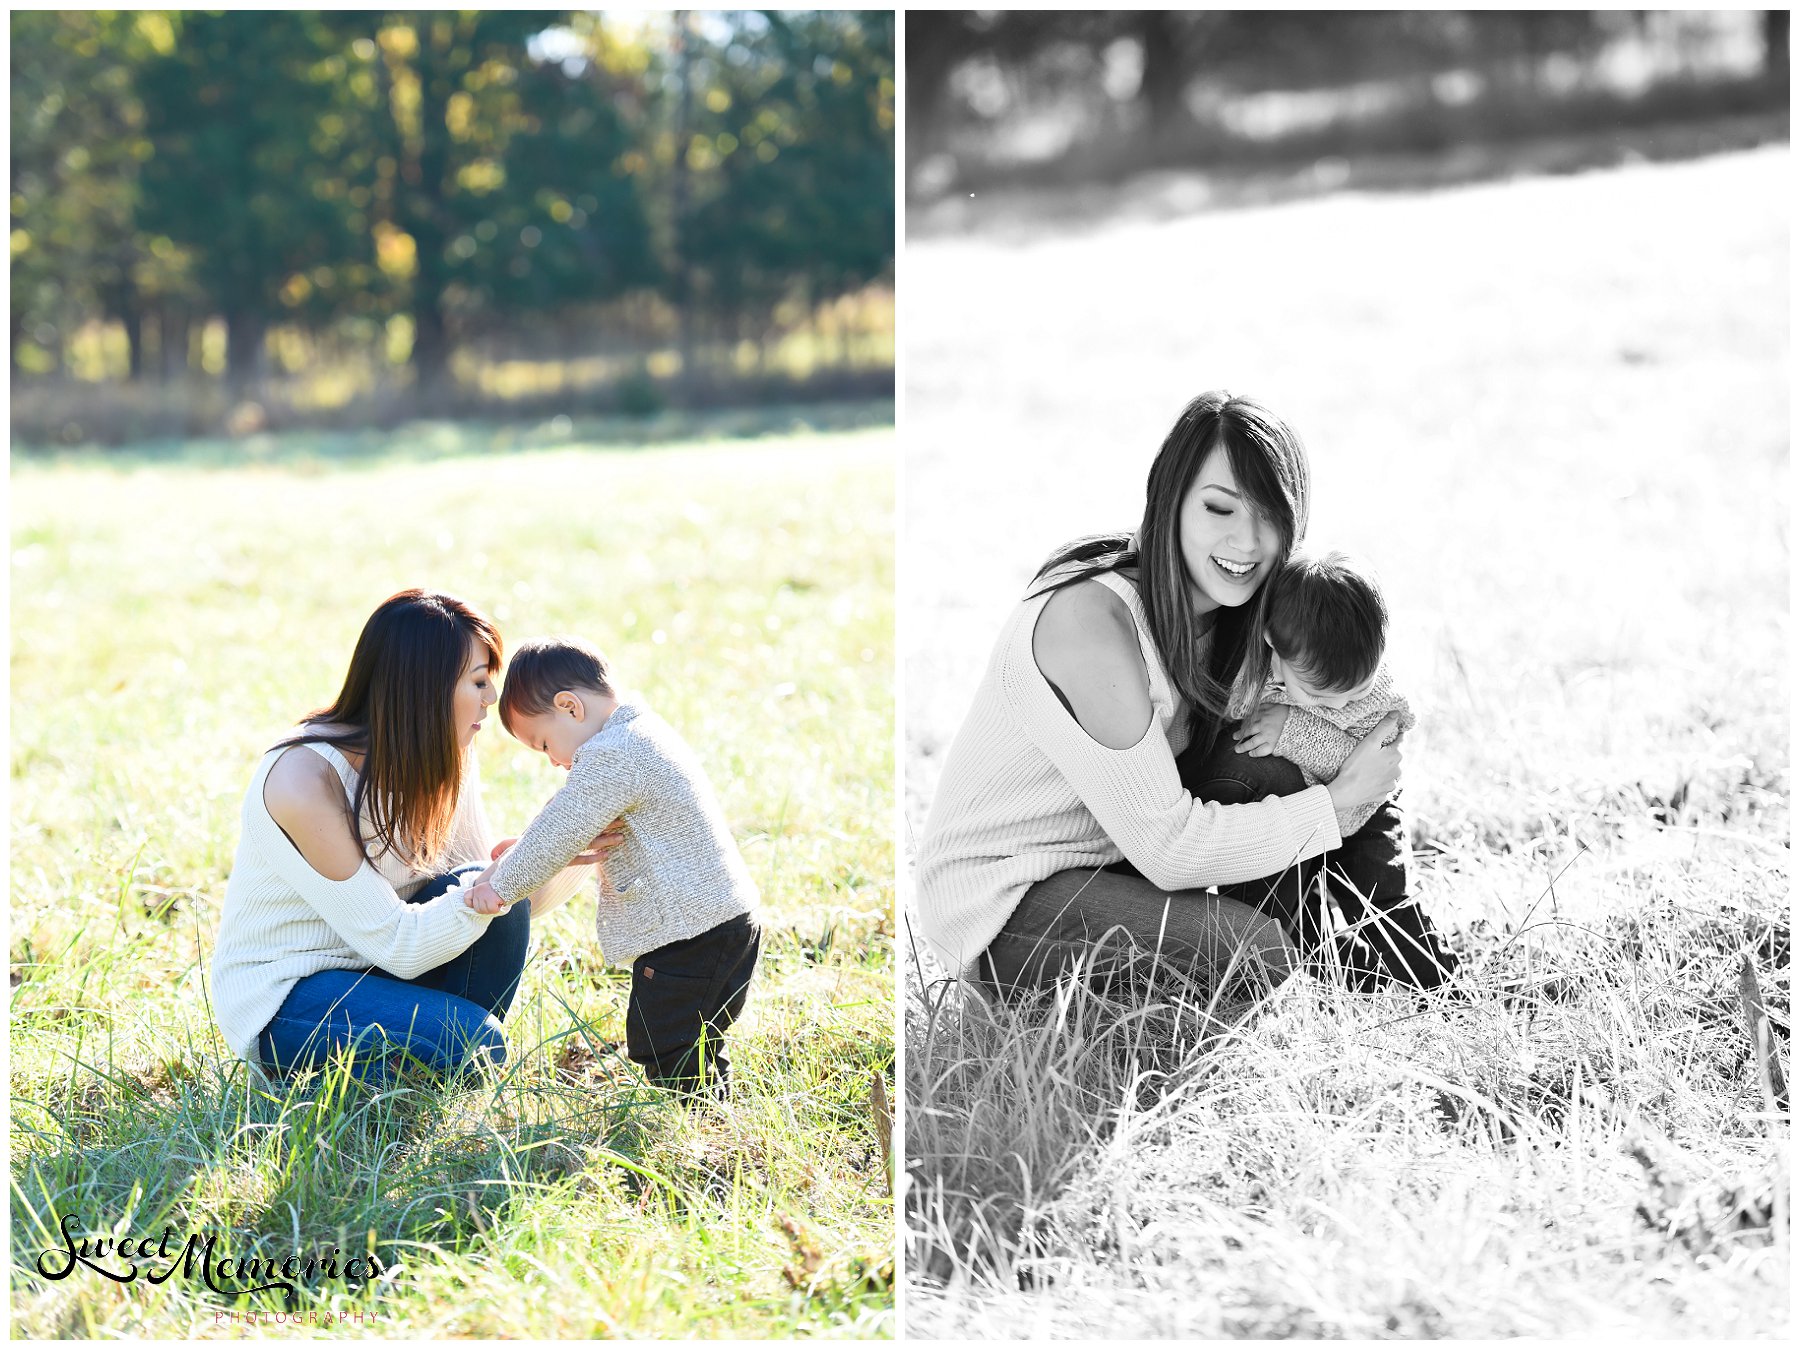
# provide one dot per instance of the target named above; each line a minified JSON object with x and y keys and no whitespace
{"x":1218,"y":510}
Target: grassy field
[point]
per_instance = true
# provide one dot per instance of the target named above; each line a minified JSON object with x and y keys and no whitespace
{"x":173,"y":611}
{"x":1554,"y":412}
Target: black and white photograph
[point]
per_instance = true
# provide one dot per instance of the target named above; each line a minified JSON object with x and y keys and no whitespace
{"x":1343,"y":621}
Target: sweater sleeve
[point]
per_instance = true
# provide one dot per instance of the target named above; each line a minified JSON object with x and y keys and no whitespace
{"x":1137,"y":798}
{"x":1408,"y":719}
{"x":1352,"y":820}
{"x":472,"y":840}
{"x":555,"y":893}
{"x":603,"y":785}
{"x":1319,"y":747}
{"x":1313,"y":745}
{"x":402,"y":939}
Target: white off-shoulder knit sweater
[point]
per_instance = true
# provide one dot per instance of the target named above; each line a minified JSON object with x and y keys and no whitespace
{"x":1026,"y":793}
{"x":283,"y":921}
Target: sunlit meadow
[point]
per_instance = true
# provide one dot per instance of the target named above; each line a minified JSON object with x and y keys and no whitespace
{"x":1553,"y":410}
{"x":175,"y":607}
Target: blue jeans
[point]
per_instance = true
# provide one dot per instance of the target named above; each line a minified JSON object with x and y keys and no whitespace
{"x":446,"y":1019}
{"x":1387,"y":938}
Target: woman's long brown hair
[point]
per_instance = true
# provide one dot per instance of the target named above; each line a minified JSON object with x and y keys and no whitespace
{"x":397,"y":708}
{"x":1269,"y":463}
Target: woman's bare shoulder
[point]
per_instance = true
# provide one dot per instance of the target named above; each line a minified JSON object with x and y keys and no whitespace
{"x":305,"y":797}
{"x":302,"y":782}
{"x":1086,"y":645}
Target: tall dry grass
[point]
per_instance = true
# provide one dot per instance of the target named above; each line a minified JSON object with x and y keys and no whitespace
{"x":1571,"y":1138}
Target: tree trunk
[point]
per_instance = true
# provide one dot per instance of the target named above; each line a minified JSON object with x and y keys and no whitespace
{"x":430,"y":350}
{"x":245,"y":331}
{"x":1165,"y":73}
{"x":1775,"y":43}
{"x":423,"y":193}
{"x":133,"y":319}
{"x":684,"y":290}
{"x":172,"y":338}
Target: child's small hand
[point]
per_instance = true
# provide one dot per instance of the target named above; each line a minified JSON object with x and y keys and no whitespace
{"x":484,"y":899}
{"x":1257,"y":735}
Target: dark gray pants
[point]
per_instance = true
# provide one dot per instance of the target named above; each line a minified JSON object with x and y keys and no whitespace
{"x":1113,"y":921}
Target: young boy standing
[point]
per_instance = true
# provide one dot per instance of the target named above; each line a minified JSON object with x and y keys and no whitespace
{"x":676,"y":902}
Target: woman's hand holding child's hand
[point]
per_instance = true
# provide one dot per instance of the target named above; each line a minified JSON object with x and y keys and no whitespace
{"x":484,"y":899}
{"x":1257,"y":735}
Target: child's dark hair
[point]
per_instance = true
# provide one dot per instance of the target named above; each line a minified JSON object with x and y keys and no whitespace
{"x":542,"y":668}
{"x":1325,"y":615}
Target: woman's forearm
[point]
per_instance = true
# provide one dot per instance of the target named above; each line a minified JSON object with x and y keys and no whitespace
{"x":1196,"y":844}
{"x":405,"y":940}
{"x":1177,"y":840}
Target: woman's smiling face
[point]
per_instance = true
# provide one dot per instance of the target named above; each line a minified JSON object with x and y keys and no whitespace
{"x":1227,"y":544}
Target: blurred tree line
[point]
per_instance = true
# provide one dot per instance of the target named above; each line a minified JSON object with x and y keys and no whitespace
{"x":386,"y":189}
{"x":1164,"y":70}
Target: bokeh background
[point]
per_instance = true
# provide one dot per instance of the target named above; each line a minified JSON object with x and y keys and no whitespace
{"x":265,"y":219}
{"x":1521,"y":283}
{"x":1069,"y":96}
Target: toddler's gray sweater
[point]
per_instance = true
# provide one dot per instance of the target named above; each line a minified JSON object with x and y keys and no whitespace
{"x":677,"y":874}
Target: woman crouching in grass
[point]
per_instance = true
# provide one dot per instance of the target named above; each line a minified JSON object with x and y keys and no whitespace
{"x":338,"y":935}
{"x":1064,"y":830}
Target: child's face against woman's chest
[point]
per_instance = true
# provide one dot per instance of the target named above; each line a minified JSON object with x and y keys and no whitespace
{"x":1226,"y":543}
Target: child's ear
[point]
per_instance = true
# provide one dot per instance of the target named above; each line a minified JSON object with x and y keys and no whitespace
{"x":569,"y":701}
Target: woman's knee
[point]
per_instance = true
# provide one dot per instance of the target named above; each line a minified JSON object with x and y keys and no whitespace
{"x":444,"y":883}
{"x":1256,"y":948}
{"x":1225,"y":776}
{"x":509,"y":933}
{"x":1267,"y":945}
{"x":471,"y":1043}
